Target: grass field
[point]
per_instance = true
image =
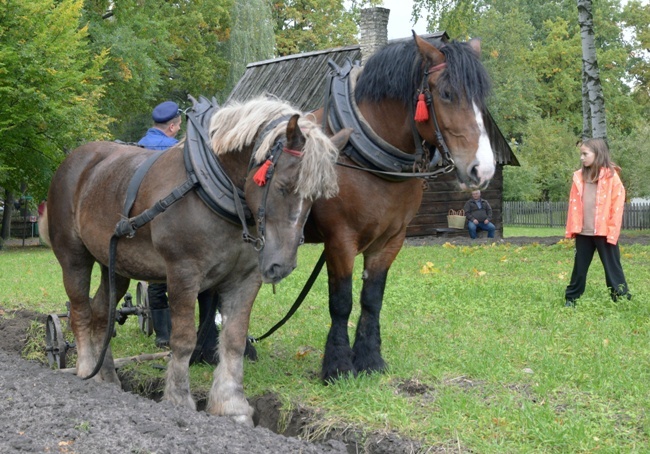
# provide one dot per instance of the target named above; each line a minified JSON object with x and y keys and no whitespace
{"x":482,"y":354}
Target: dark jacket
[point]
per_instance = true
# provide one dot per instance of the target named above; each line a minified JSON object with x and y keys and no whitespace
{"x":472,"y":211}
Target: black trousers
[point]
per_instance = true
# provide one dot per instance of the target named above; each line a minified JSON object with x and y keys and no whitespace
{"x":157,"y":293}
{"x":610,"y":256}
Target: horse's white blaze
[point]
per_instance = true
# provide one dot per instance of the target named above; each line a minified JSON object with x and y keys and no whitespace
{"x":297,"y":219}
{"x":484,"y":153}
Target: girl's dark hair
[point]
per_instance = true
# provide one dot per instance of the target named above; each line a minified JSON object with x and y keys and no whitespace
{"x":602,"y":159}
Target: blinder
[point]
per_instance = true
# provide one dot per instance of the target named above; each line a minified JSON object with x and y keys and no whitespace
{"x":263,"y":177}
{"x":448,"y":160}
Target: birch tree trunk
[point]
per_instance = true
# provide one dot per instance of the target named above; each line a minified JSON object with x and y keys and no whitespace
{"x":591,"y":76}
{"x":586,"y":110}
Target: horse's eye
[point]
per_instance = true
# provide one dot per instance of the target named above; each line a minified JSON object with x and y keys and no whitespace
{"x":446,"y":95}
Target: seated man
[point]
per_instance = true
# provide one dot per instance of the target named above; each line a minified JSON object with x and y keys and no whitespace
{"x":479,"y":214}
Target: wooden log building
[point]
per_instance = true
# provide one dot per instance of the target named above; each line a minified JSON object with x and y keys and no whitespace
{"x":300,"y":79}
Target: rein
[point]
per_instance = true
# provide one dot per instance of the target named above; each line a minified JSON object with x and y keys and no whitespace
{"x":301,"y":297}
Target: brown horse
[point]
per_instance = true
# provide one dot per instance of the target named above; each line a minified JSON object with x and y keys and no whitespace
{"x":371,"y":213}
{"x":188,"y":245}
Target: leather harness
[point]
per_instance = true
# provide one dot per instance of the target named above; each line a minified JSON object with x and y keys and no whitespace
{"x":365,"y":148}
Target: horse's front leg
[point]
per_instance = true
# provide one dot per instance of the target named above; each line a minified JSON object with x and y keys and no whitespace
{"x":227,"y":396}
{"x":182,"y":298}
{"x":367,"y":342}
{"x":337,"y":359}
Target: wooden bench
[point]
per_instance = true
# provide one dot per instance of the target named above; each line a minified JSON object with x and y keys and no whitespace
{"x":444,"y":232}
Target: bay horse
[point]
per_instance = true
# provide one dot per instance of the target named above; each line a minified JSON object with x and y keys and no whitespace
{"x":370,"y":214}
{"x":188,"y":245}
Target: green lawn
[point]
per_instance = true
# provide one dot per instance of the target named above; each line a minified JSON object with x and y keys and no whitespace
{"x":482,"y":354}
{"x":516,"y":230}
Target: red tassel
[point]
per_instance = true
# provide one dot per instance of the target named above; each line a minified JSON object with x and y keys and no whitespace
{"x":421,"y":111}
{"x":260,"y":176}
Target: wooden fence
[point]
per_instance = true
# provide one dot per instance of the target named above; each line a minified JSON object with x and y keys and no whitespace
{"x":636,"y":216}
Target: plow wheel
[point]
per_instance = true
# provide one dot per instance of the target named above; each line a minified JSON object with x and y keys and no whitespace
{"x":55,"y":344}
{"x":144,"y":314}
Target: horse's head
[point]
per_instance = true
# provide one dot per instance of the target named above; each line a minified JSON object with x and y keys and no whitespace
{"x":455,"y":84}
{"x":294,"y":165}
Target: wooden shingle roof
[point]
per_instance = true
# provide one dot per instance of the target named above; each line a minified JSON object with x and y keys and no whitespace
{"x":300,"y":80}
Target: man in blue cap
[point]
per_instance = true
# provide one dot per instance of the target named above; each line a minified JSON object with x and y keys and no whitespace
{"x":167,"y":122}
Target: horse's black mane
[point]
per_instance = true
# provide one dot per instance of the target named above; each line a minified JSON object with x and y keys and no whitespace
{"x":396,"y":72}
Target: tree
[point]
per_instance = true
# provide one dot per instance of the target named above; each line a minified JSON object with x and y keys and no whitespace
{"x":591,"y":76}
{"x":505,"y":53}
{"x":309,"y":25}
{"x":157,"y":50}
{"x":548,"y":156}
{"x":251,"y":39}
{"x":630,"y":152}
{"x":50,"y":85}
{"x":636,"y":21}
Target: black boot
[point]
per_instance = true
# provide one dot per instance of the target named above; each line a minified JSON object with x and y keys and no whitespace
{"x":161,"y":325}
{"x":251,"y":352}
{"x":207,"y":338}
{"x":160,"y":316}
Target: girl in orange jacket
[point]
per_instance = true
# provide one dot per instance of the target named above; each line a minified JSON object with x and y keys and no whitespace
{"x":594,"y":220}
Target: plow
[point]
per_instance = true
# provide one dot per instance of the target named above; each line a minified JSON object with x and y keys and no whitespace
{"x":57,"y":346}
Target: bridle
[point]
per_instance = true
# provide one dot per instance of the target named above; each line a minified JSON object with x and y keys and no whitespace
{"x":262,"y":178}
{"x":448,"y":160}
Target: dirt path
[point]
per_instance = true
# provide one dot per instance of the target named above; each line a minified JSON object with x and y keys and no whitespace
{"x":42,"y":410}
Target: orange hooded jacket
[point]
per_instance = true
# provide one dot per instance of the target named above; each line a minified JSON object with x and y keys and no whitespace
{"x":610,"y":201}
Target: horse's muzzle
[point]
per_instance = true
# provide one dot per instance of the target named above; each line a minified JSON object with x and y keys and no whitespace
{"x":275,"y":272}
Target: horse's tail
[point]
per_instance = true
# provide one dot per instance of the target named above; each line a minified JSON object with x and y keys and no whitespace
{"x":43,"y":230}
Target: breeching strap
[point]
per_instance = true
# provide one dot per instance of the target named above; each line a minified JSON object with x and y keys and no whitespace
{"x":303,"y":294}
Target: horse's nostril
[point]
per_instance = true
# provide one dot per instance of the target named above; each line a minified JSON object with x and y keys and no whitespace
{"x":274,"y":270}
{"x":473,"y":171}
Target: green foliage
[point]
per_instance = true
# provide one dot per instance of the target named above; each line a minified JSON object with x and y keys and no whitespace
{"x":630,"y":152}
{"x":157,"y":50}
{"x":50,"y":89}
{"x":548,"y":157}
{"x":314,"y":25}
{"x":514,"y":83}
{"x":521,"y":183}
{"x":556,"y":61}
{"x":251,"y":39}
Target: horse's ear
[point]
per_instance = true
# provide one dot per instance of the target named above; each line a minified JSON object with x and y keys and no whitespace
{"x":475,"y":44}
{"x":340,"y":139}
{"x":428,"y":51}
{"x":295,"y":138}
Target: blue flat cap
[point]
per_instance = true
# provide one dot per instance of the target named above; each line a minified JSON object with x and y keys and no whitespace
{"x":165,"y":111}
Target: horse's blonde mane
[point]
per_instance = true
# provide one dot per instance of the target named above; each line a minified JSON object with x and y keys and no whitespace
{"x":236,"y":126}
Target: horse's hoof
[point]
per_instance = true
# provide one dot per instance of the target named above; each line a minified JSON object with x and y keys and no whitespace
{"x":332,"y":376}
{"x":378,"y":366}
{"x":244,"y":420}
